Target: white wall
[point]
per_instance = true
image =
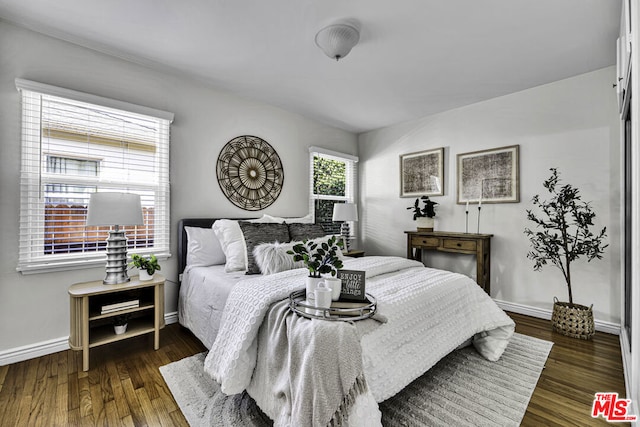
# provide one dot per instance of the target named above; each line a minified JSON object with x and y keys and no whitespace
{"x":35,"y":308}
{"x":570,"y":124}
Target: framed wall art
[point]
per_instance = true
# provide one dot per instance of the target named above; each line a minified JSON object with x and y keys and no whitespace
{"x":489,"y":175}
{"x":422,"y":173}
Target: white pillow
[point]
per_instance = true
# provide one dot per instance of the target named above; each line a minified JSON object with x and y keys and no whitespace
{"x":266,"y":219}
{"x":307,"y":219}
{"x":203,"y":247}
{"x":231,"y":239}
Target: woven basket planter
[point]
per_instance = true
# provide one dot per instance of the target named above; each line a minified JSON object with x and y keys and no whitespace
{"x":572,"y":320}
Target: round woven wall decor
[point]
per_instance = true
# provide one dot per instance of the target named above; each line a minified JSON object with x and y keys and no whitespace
{"x":250,"y":172}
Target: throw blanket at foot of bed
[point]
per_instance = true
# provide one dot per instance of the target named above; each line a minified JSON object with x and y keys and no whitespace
{"x":429,"y":313}
{"x":309,"y":371}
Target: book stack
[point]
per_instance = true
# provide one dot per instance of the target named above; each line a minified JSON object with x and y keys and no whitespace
{"x":111,"y":308}
{"x":348,"y":308}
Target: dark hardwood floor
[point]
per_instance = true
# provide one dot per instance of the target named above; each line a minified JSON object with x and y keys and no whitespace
{"x":124,"y":386}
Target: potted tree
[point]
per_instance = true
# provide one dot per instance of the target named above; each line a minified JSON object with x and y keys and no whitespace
{"x":424,"y":216}
{"x":562,"y":235}
{"x":318,"y":258}
{"x":147,"y":266}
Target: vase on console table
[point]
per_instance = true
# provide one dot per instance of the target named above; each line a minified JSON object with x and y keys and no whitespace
{"x":425,"y":223}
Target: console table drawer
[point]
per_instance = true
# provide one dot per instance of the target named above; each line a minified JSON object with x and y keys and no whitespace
{"x":465,"y":245}
{"x":425,"y":242}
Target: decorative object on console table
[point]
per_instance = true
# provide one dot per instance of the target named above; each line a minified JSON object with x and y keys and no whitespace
{"x":345,"y":212}
{"x":147,"y":266}
{"x":250,"y":173}
{"x":422,"y":173}
{"x":563,"y":234}
{"x":91,"y":328}
{"x":456,"y":243}
{"x":424,"y":217}
{"x":492,"y":175}
{"x":115,"y":209}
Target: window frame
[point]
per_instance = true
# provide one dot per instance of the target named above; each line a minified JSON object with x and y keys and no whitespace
{"x":351,"y":178}
{"x":34,"y":178}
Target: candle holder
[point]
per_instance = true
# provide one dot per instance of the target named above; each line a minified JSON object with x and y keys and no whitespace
{"x":479,"y":209}
{"x":466,"y":222}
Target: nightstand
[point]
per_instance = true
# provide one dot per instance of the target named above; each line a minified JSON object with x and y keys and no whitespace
{"x":90,"y":327}
{"x":354,"y":254}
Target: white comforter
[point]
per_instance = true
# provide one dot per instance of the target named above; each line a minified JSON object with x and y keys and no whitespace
{"x":429,"y":313}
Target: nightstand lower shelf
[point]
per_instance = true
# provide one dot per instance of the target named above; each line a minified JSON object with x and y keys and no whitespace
{"x":104,"y":334}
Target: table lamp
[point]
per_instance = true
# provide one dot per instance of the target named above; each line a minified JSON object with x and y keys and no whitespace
{"x":345,"y":212}
{"x":115,"y":209}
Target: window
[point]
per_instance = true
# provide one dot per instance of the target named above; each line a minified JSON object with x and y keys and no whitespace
{"x":333,"y":180}
{"x":75,"y":144}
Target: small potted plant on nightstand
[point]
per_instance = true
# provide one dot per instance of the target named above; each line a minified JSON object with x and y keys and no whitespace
{"x":120,"y":323}
{"x":424,"y":216}
{"x":147,"y":266}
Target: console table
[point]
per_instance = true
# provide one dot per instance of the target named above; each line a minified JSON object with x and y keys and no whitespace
{"x":457,"y":243}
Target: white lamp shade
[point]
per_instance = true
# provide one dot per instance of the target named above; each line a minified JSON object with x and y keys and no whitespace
{"x":336,"y":41}
{"x":114,"y":209}
{"x":345,"y":212}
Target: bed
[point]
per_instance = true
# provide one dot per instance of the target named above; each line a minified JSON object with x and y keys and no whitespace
{"x":285,"y":362}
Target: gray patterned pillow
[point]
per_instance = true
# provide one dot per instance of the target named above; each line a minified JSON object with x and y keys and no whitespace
{"x":256,"y":233}
{"x":298,"y":231}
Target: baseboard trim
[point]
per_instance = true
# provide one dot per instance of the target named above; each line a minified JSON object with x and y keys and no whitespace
{"x":26,"y":352}
{"x":541,"y":313}
{"x":170,"y":318}
{"x":31,"y":351}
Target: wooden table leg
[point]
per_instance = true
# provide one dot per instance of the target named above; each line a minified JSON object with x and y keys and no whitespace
{"x":156,"y":317}
{"x":85,"y":333}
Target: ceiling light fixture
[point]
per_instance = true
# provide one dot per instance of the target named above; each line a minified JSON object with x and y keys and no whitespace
{"x":337,"y":40}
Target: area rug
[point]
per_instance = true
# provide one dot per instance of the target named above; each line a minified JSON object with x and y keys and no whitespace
{"x":463,"y":389}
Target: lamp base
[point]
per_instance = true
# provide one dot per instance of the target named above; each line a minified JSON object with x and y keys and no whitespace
{"x":345,"y":231}
{"x":116,"y":258}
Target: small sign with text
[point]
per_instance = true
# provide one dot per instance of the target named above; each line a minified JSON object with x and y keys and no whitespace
{"x":352,"y":285}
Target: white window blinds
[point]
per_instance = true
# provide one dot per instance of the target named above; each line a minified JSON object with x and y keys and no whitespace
{"x":75,"y":144}
{"x":333,"y":179}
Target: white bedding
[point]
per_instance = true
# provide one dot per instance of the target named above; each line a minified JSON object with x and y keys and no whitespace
{"x":203,"y":294}
{"x":430,"y":313}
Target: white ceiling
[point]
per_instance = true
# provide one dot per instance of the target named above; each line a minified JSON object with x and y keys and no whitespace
{"x":415,"y":57}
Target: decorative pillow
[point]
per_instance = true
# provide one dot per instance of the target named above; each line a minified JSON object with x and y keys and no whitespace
{"x":256,"y":233}
{"x":203,"y":247}
{"x":231,"y":239}
{"x":273,"y":257}
{"x":299,"y":231}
